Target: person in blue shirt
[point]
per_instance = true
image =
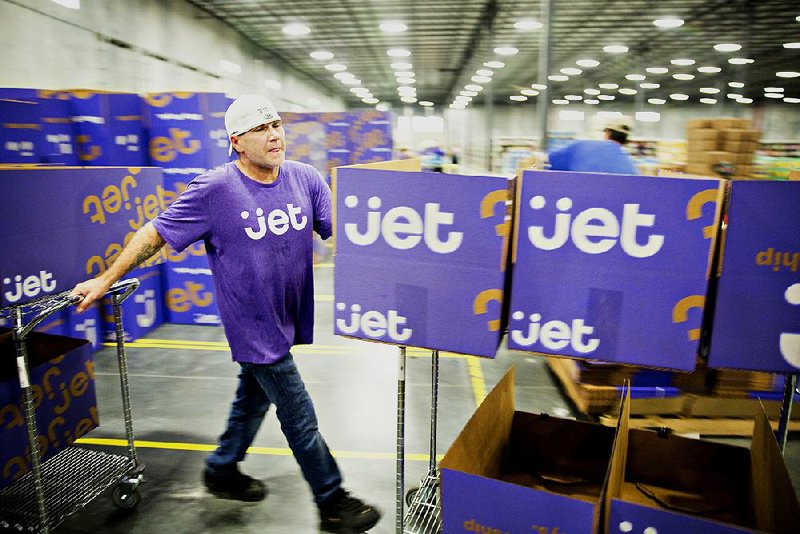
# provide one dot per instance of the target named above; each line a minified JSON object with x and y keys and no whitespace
{"x":605,"y":155}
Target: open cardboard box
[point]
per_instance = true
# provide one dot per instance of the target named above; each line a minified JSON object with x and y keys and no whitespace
{"x":511,"y":471}
{"x":665,"y":483}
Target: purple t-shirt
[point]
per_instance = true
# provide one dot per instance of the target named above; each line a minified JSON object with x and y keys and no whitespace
{"x":259,"y":243}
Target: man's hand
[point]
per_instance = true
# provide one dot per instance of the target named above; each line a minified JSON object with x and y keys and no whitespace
{"x":90,"y":291}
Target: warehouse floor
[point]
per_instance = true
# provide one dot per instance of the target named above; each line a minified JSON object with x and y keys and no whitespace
{"x":182,"y":381}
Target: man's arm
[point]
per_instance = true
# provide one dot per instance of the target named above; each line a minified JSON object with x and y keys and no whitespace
{"x":145,"y":242}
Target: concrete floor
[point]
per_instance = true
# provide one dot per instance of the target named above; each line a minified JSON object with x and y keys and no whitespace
{"x":180,"y":398}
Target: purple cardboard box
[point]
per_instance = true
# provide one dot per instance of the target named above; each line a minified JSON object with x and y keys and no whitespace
{"x":142,"y":312}
{"x":663,"y":483}
{"x":420,"y":258}
{"x":189,"y":295}
{"x":511,"y":471}
{"x":62,"y":378}
{"x":757,"y":314}
{"x":64,"y":225}
{"x":611,"y":267}
{"x":21,"y":136}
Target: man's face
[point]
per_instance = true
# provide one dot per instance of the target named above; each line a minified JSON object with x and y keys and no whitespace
{"x":264,"y":145}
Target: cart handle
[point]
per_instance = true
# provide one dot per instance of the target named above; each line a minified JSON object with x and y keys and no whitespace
{"x":57,"y":302}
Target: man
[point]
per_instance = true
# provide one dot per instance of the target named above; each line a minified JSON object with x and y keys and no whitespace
{"x":256,"y":216}
{"x":597,"y":156}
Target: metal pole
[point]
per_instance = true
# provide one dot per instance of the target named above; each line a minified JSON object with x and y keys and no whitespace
{"x":123,"y":376}
{"x":434,"y":409}
{"x":545,"y":54}
{"x":30,"y":418}
{"x":789,"y":384}
{"x":401,"y":413}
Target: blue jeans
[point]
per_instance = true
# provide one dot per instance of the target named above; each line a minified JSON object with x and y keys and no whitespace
{"x":280,"y":384}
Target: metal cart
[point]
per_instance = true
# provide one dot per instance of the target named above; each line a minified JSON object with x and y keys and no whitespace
{"x":424,"y":511}
{"x":52,"y":490}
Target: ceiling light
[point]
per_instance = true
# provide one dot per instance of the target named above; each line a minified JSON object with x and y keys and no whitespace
{"x":790,"y":100}
{"x":682,"y":62}
{"x":296,"y":28}
{"x":357,"y":90}
{"x":648,"y":116}
{"x":591,"y":91}
{"x":272,"y":84}
{"x":393,"y":26}
{"x":571,"y":71}
{"x":484,"y":72}
{"x":791,"y":45}
{"x":683,"y":76}
{"x":538,"y":86}
{"x":473,"y":87}
{"x":573,"y":97}
{"x":739,"y":61}
{"x":344,"y":75}
{"x":560,"y":102}
{"x":787,"y":74}
{"x":608,"y":86}
{"x":351,"y":81}
{"x":505,"y":50}
{"x":773,"y":89}
{"x":627,"y":91}
{"x":370,"y":100}
{"x":70,"y":4}
{"x":406,"y":88}
{"x":494,"y":64}
{"x":745,"y":101}
{"x":463,"y":99}
{"x":727,"y":47}
{"x":404,"y":73}
{"x":773,"y":95}
{"x":529,"y":92}
{"x":656,"y":101}
{"x":588,"y":63}
{"x":401,"y":66}
{"x":335,"y":67}
{"x":454,"y":106}
{"x":735,"y":96}
{"x":591,"y":101}
{"x":518,"y":98}
{"x":468,"y":93}
{"x":635,"y":77}
{"x":406,"y":80}
{"x":481,"y":79}
{"x":426,"y":103}
{"x":557,"y":78}
{"x":708,"y":100}
{"x":606,"y":97}
{"x":668,"y":22}
{"x":408,"y":99}
{"x":615,"y":49}
{"x":736,"y":85}
{"x":230,"y":66}
{"x":649,"y":85}
{"x":321,"y":54}
{"x":708,"y":70}
{"x":398,"y":52}
{"x":657,"y":70}
{"x":679,"y":96}
{"x":528,"y":25}
{"x":709,"y":90}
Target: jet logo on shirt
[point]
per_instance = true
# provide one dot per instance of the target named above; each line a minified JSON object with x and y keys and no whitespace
{"x":277,"y":221}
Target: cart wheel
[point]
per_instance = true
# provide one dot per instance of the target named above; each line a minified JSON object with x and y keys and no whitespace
{"x":410,"y":494}
{"x":125,"y":496}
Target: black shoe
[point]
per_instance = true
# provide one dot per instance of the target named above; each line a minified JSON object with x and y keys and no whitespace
{"x":344,"y":514}
{"x":234,"y":485}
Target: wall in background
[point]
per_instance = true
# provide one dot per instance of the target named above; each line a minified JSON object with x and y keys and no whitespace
{"x":142,"y":46}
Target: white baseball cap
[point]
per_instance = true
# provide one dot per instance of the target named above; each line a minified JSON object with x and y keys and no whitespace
{"x":247,"y":112}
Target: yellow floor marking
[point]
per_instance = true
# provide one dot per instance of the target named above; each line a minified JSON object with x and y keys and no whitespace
{"x":476,"y":377}
{"x":269,"y":451}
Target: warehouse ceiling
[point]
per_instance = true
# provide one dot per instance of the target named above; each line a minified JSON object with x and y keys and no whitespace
{"x":450,"y":40}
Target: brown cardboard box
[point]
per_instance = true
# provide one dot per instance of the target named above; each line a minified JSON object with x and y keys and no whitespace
{"x":702,"y":134}
{"x":731,"y":134}
{"x":752,"y":135}
{"x":694,"y":124}
{"x":702,"y":145}
{"x":724,"y":123}
{"x":794,"y":176}
{"x":677,"y":484}
{"x":742,"y":159}
{"x":739,"y":146}
{"x":701,"y":169}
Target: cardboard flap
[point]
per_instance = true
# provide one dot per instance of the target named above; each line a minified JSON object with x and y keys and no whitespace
{"x":478,"y":448}
{"x":616,"y":468}
{"x":772,"y":492}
